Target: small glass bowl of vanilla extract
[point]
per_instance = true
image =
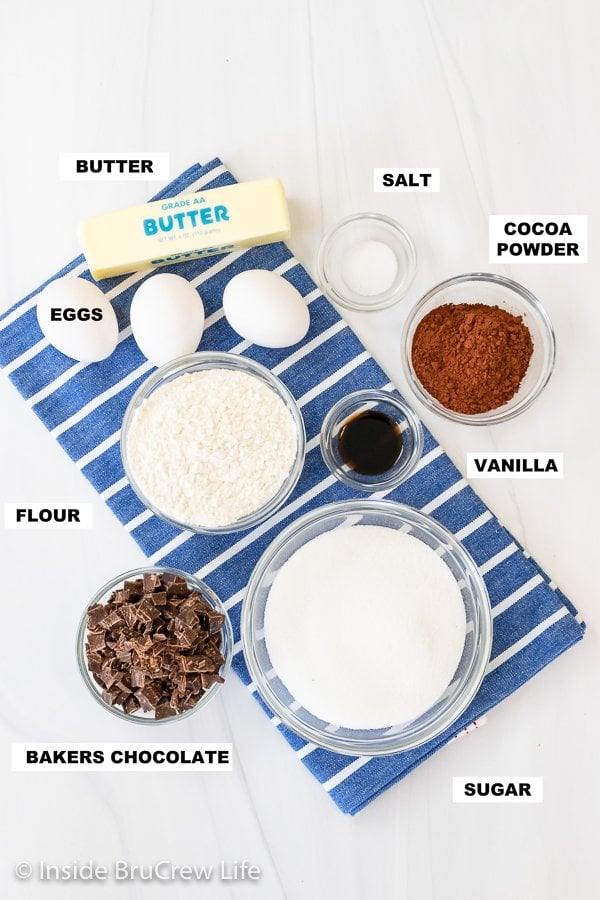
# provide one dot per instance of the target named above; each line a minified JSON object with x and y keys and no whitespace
{"x":371,"y":440}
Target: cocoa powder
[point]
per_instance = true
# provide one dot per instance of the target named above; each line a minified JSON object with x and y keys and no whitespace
{"x":471,"y":357}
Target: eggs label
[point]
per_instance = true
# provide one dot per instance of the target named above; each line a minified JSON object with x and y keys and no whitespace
{"x":538,"y":239}
{"x":149,"y":166}
{"x":69,"y":314}
{"x":77,"y":319}
{"x":48,"y":515}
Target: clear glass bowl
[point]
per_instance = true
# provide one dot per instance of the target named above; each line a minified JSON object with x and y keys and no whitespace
{"x":102,"y":595}
{"x":400,"y":413}
{"x":343,"y":239}
{"x":197,"y":362}
{"x":478,"y":633}
{"x":494,"y":290}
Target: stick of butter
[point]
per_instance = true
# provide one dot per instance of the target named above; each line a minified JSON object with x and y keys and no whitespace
{"x":185,"y":227}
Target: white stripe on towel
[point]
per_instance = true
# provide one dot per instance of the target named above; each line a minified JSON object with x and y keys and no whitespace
{"x":485,"y":567}
{"x":517,"y":595}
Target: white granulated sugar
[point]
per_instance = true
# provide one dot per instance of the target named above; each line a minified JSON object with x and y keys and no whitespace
{"x":370,"y":268}
{"x":210,"y":447}
{"x":365,"y":625}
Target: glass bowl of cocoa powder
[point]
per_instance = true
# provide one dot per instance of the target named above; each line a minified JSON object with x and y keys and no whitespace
{"x":478,"y":348}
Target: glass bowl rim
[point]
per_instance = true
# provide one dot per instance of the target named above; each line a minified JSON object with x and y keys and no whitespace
{"x":387,"y":298}
{"x":381,"y":746}
{"x":502,"y":414}
{"x":227,"y":644}
{"x":414,"y":425}
{"x":182,"y":364}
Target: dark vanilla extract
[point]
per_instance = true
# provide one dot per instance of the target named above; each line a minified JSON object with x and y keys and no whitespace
{"x":370,"y":442}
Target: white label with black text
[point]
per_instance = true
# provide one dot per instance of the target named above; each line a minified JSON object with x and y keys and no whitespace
{"x":121,"y":757}
{"x":147,"y":166}
{"x":405,"y":180}
{"x":497,"y":790}
{"x":515,"y":465}
{"x":538,"y":239}
{"x":48,"y":515}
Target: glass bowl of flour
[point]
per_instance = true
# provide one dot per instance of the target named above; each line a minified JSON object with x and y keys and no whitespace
{"x":213,"y":442}
{"x":367,"y":627}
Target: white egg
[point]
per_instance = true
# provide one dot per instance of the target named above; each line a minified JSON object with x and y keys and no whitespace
{"x":167,"y":317}
{"x":265,"y":309}
{"x":77,"y":319}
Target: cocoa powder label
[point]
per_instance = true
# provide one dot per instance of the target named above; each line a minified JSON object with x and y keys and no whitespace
{"x":538,"y":239}
{"x":515,"y":465}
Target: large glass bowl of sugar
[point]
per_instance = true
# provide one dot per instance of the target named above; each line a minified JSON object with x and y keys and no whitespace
{"x":393,"y":737}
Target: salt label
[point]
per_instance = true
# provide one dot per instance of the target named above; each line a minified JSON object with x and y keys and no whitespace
{"x":406,"y":180}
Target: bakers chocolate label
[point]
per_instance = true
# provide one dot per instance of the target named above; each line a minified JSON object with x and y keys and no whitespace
{"x":538,"y":239}
{"x":515,"y":465}
{"x":122,"y":757}
{"x":48,"y":515}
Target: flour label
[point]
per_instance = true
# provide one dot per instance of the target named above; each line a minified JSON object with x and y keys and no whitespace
{"x":48,"y":515}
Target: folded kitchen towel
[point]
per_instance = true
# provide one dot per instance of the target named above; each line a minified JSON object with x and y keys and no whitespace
{"x":82,"y":406}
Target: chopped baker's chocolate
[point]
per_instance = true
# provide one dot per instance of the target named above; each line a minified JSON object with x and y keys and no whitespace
{"x":155,"y":646}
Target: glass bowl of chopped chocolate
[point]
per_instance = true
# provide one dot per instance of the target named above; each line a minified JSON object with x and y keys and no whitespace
{"x":154,"y":645}
{"x":478,"y":348}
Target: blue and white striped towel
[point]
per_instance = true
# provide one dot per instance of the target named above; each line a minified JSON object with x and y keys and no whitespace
{"x":82,"y":406}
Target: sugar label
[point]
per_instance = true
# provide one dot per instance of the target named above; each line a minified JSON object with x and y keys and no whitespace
{"x":497,"y":790}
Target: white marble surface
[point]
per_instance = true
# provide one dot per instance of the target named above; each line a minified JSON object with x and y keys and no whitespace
{"x":503,"y":98}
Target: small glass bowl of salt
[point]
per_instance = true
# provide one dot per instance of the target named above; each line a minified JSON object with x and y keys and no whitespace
{"x":366,"y":262}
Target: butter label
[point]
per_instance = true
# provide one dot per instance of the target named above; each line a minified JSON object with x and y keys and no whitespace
{"x":185,"y":227}
{"x":146,"y":166}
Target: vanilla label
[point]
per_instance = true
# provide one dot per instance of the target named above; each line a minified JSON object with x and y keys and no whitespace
{"x":515,"y":465}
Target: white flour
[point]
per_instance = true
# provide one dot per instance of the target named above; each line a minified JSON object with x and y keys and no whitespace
{"x":210,"y":447}
{"x":365,"y":626}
